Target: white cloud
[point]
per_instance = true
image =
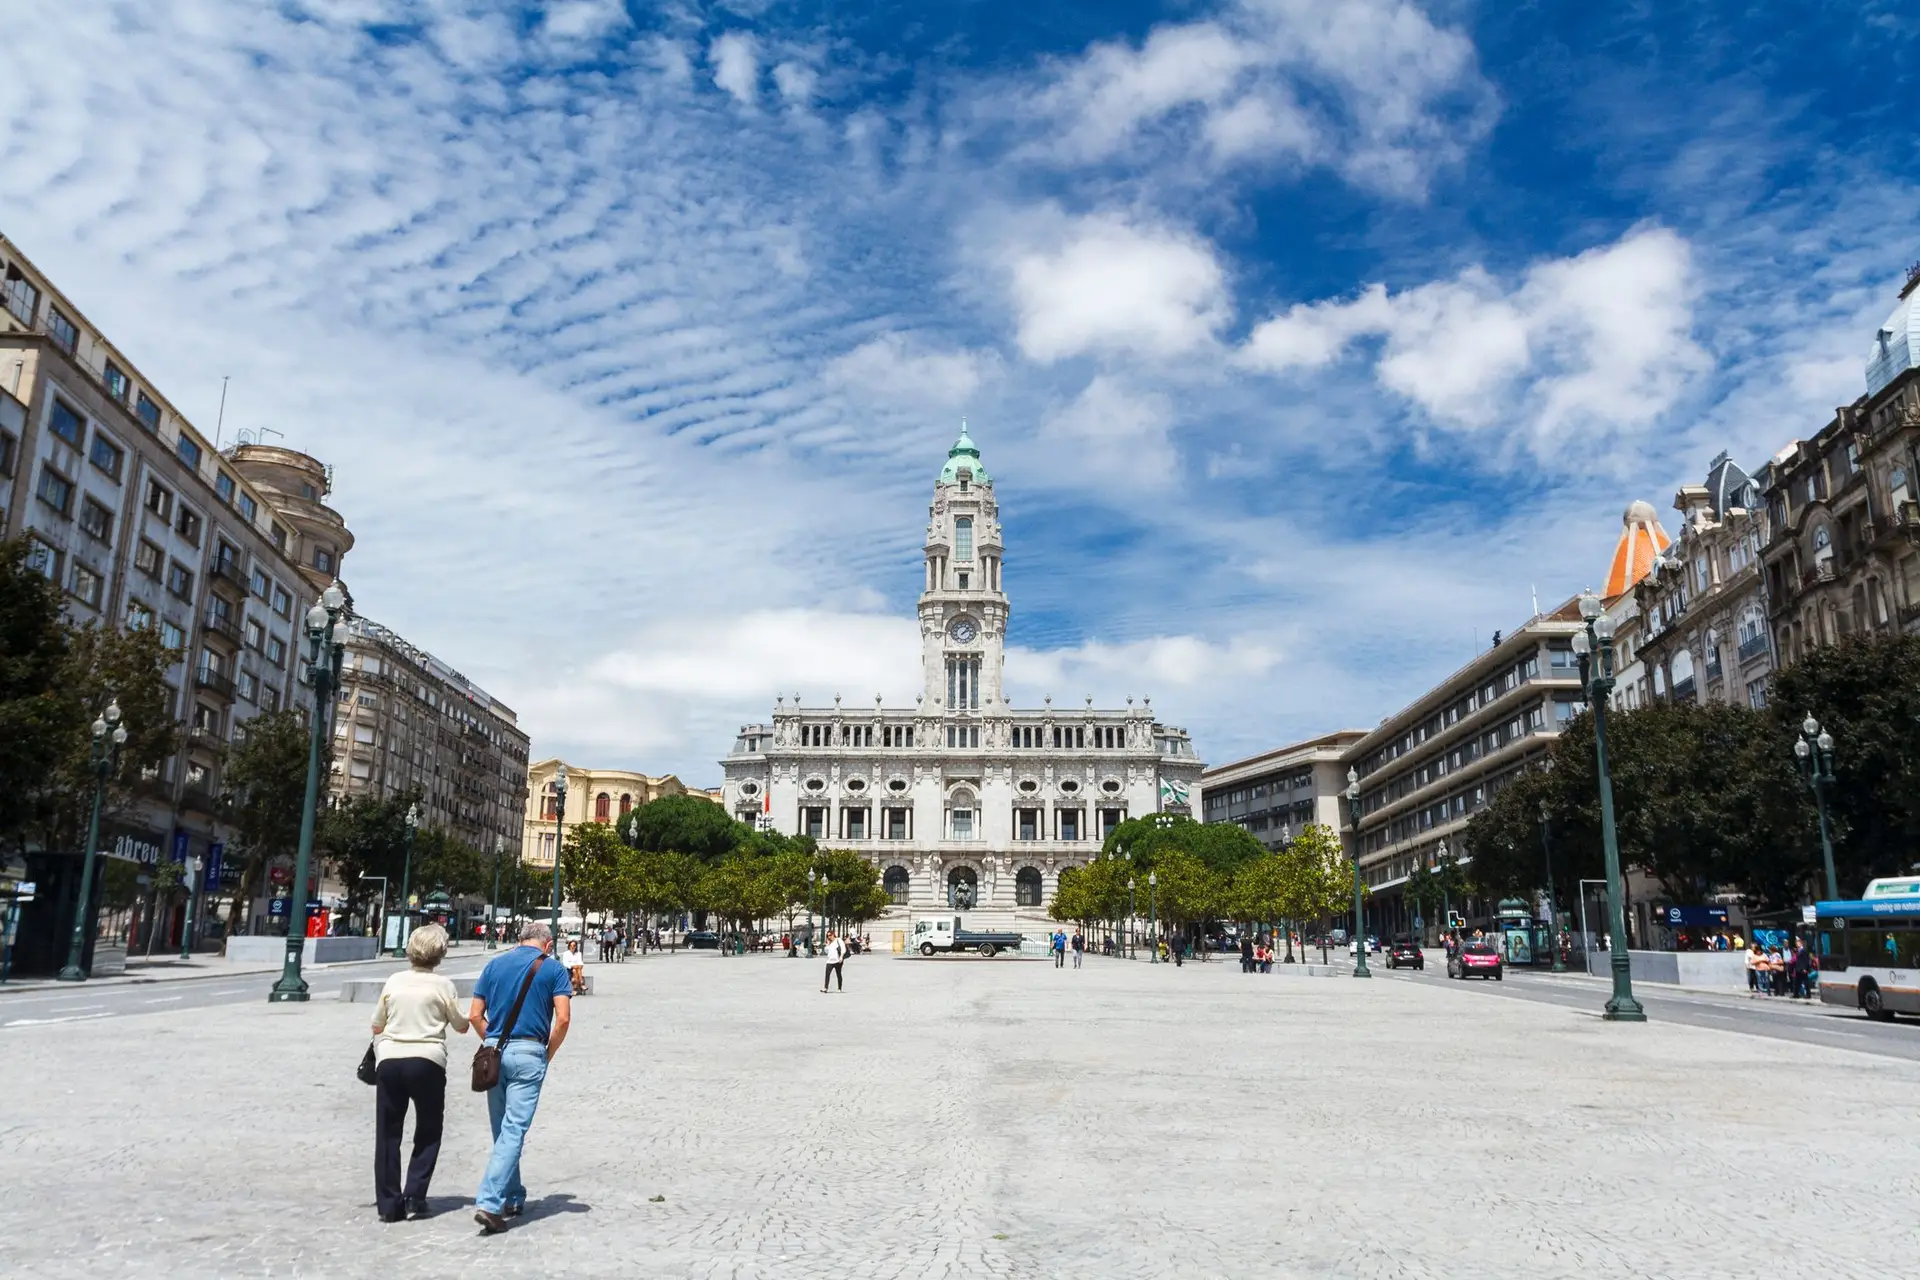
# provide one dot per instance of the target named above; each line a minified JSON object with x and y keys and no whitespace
{"x":1105,"y":283}
{"x":1108,"y":671}
{"x":585,"y":19}
{"x":796,"y":82}
{"x":1112,"y":432}
{"x":1600,"y":339}
{"x":1397,"y":97}
{"x":899,"y":368}
{"x":735,"y":58}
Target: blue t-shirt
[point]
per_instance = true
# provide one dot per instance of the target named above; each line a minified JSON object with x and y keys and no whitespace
{"x":499,"y":985}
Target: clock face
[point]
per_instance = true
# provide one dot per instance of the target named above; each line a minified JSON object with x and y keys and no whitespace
{"x":962,"y":631}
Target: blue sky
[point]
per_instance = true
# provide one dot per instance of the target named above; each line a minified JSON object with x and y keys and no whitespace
{"x":1305,"y":338}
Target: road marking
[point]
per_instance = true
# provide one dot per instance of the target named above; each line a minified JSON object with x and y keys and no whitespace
{"x":74,"y":1008}
{"x":41,"y":1022}
{"x":163,"y":999}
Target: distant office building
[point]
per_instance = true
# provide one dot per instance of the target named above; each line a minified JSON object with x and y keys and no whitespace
{"x":1279,"y":793}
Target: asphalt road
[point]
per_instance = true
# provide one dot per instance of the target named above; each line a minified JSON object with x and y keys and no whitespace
{"x":83,"y":1002}
{"x":1780,"y":1019}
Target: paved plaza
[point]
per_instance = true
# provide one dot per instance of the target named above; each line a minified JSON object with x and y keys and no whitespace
{"x":721,"y":1117}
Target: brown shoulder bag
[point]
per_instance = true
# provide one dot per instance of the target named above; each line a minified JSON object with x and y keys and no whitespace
{"x":486,"y":1059}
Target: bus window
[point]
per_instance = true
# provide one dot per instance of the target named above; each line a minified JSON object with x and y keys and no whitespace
{"x":1831,"y":947}
{"x":1907,"y":941}
{"x":1868,"y":946}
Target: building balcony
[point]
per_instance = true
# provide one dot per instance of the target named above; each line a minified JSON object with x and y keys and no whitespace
{"x":199,"y":799}
{"x":203,"y":738}
{"x":226,"y":570}
{"x":214,"y":682}
{"x":1683,"y":690}
{"x":222,"y":625}
{"x":1753,"y":648}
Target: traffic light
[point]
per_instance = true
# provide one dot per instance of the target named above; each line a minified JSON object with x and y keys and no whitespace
{"x":1455,"y":920}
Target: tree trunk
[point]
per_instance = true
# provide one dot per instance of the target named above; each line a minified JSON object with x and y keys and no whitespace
{"x":243,"y":894}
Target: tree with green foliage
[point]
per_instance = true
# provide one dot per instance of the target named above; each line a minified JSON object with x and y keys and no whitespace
{"x":34,"y":714}
{"x":684,"y":824}
{"x":367,"y":836}
{"x":854,"y":894}
{"x":593,"y":869}
{"x":265,"y":783}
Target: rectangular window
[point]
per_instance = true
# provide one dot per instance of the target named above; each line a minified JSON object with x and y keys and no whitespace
{"x":187,"y":525}
{"x":105,"y":455}
{"x":179,"y":581}
{"x":259,"y":583}
{"x":188,"y":451}
{"x":256,"y":638}
{"x":147,"y":411}
{"x":139,"y":616}
{"x":223,"y":485}
{"x":65,"y":422}
{"x":963,"y":824}
{"x":896,"y":824}
{"x":9,"y":447}
{"x":116,"y":380}
{"x":55,"y":490}
{"x":1069,"y":824}
{"x":147,"y":558}
{"x":856,"y":824}
{"x":1110,"y":819}
{"x":963,"y":538}
{"x":159,"y":499}
{"x":62,"y":331}
{"x":323,"y":559}
{"x":1026,"y":824}
{"x":249,"y":509}
{"x":172,"y":636}
{"x":271,"y":701}
{"x":86,"y":585}
{"x":249,"y":686}
{"x":816,"y":823}
{"x":96,"y":521}
{"x":279,"y":537}
{"x":282,"y":602}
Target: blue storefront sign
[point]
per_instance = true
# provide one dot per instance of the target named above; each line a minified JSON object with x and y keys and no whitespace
{"x":180,"y":839}
{"x":1697,"y":917}
{"x":213,"y":864}
{"x":277,"y":906}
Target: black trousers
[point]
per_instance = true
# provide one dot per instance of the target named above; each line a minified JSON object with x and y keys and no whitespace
{"x":423,"y":1083}
{"x":835,"y":975}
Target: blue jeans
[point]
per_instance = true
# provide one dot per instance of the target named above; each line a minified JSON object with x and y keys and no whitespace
{"x":510,"y":1107}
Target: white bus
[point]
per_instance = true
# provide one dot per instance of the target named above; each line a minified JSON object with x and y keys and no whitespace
{"x":1869,"y":949}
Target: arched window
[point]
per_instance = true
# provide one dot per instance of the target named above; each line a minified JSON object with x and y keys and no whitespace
{"x":602,"y":807}
{"x":1026,"y":887}
{"x":1682,"y":666}
{"x":898,"y":885}
{"x":626,"y":804}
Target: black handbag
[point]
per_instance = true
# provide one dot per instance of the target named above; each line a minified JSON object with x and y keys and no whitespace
{"x":367,"y":1072}
{"x":486,"y":1059}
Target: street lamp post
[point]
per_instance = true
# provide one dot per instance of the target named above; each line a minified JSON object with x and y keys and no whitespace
{"x":1553,"y":903}
{"x":109,"y":735}
{"x":1594,"y":646}
{"x":1153,"y":917}
{"x":1814,"y":748}
{"x":811,"y":877}
{"x":559,"y":834}
{"x":323,"y":673}
{"x":186,"y":930}
{"x":1360,"y":969}
{"x":406,"y":883}
{"x":1131,"y":917}
{"x":493,"y":903}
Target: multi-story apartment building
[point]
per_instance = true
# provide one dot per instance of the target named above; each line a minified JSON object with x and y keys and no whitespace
{"x":408,"y":722}
{"x":1279,"y":793}
{"x":1843,"y":552}
{"x":1425,"y":771}
{"x":593,"y":795}
{"x":144,"y":524}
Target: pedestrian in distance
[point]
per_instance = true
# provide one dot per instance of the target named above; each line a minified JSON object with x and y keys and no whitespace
{"x":1059,"y":945}
{"x":576,"y":967}
{"x":1756,"y":970}
{"x":836,"y":963}
{"x":1079,"y":945}
{"x":1246,"y":953}
{"x":526,"y":1006}
{"x":410,"y":1024}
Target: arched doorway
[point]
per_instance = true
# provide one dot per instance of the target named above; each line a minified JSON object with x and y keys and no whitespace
{"x":963,"y":888}
{"x":1027,"y":887}
{"x":898,"y":885}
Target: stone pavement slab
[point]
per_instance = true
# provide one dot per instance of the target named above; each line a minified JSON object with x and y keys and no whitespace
{"x":711,"y":1118}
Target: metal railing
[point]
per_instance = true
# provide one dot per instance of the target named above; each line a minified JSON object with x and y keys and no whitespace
{"x":222,"y":625}
{"x":1754,"y":647}
{"x":207,"y":678}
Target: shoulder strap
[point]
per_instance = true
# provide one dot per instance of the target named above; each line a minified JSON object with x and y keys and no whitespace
{"x":513,"y":1015}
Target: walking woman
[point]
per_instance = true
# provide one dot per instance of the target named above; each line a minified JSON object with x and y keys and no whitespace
{"x":410,"y":1025}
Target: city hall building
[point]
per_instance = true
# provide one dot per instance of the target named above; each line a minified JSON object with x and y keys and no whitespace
{"x":961,"y":797}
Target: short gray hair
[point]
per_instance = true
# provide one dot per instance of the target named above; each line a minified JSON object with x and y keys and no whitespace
{"x":536,"y":931}
{"x":427,"y":946}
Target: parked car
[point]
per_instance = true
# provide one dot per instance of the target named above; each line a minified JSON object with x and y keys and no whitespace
{"x":1405,"y":955}
{"x":703,"y":940}
{"x":1477,"y":960}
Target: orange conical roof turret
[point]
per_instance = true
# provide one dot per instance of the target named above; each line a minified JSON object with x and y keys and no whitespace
{"x":1641,"y":541}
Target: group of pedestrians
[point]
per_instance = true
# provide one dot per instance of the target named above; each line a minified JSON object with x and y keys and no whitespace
{"x":522,"y":1007}
{"x":1256,"y":954}
{"x":1772,"y":972}
{"x":1060,"y":944}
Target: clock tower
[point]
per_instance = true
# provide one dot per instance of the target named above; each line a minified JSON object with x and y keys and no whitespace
{"x":963,"y":611}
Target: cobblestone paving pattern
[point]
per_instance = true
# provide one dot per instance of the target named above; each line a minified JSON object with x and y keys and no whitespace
{"x":721,"y":1118}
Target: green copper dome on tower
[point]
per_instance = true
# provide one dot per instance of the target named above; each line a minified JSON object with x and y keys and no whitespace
{"x":965,"y":453}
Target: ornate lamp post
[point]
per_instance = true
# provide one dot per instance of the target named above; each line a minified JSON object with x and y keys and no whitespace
{"x":1153,"y":917}
{"x":1553,"y":903}
{"x":1360,"y":969}
{"x":811,"y":877}
{"x":109,"y":735}
{"x":559,"y":834}
{"x":323,"y":673}
{"x":1130,"y":917}
{"x":406,"y":883}
{"x":1594,"y":646}
{"x":1814,"y":748}
{"x":493,"y":903}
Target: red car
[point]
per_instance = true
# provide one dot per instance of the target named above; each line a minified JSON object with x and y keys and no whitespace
{"x":1476,"y":960}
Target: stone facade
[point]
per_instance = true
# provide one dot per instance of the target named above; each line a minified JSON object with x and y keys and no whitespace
{"x":960,"y":796}
{"x":593,"y":795}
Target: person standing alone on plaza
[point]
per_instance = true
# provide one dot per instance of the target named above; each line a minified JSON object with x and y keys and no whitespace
{"x":524,"y":1002}
{"x":836,"y":962}
{"x":1079,"y":947}
{"x":410,"y":1027}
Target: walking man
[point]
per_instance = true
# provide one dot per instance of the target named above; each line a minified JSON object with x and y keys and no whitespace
{"x":836,"y":963}
{"x":524,"y":1001}
{"x":1079,"y":947}
{"x":1059,"y":948}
